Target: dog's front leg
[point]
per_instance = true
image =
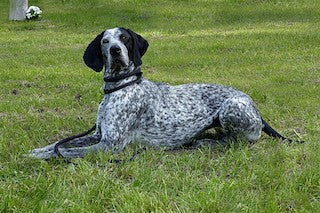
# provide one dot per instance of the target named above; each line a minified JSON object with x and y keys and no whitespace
{"x":115,"y":135}
{"x":114,"y":145}
{"x":107,"y":143}
{"x":77,"y":152}
{"x":48,"y":151}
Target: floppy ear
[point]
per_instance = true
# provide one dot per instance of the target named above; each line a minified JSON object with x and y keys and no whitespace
{"x":93,"y":56}
{"x":139,"y":47}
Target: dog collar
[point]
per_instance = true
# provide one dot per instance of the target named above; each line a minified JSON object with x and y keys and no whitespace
{"x":137,"y":72}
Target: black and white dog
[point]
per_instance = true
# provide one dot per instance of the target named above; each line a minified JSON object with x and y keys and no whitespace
{"x":156,"y":114}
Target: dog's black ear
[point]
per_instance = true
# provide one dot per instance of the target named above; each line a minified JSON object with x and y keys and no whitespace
{"x":93,"y":56}
{"x":139,"y":47}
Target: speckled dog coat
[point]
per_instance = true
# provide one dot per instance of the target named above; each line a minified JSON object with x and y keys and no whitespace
{"x":157,"y":114}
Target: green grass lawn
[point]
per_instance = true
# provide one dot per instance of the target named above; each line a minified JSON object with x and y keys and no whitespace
{"x":269,"y":49}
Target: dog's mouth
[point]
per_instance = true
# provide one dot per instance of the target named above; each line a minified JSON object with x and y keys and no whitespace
{"x":118,"y":63}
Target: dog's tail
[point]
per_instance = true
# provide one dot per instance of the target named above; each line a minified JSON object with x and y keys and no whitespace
{"x":273,"y":133}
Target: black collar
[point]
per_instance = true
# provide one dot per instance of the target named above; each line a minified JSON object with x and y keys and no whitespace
{"x":137,"y":72}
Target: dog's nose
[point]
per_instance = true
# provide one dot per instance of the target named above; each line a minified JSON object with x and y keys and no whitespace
{"x":115,"y":50}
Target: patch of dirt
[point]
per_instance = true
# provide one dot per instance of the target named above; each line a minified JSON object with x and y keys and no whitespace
{"x":26,"y":84}
{"x":63,"y":86}
{"x":2,"y":114}
{"x":78,"y":97}
{"x":317,"y":81}
{"x":15,"y":92}
{"x":156,"y":36}
{"x":152,"y":70}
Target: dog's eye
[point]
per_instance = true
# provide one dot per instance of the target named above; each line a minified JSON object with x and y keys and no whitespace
{"x":105,"y":41}
{"x":123,"y":37}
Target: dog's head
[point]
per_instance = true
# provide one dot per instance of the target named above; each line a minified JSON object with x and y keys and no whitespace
{"x":115,"y":48}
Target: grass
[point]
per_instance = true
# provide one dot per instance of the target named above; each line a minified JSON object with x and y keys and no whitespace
{"x":269,"y":49}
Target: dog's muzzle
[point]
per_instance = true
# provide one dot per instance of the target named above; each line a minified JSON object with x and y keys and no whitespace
{"x":116,"y":57}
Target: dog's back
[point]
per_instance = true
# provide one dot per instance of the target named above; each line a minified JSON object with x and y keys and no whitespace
{"x":174,"y":115}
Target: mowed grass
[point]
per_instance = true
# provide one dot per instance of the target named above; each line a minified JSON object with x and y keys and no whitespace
{"x":269,"y":49}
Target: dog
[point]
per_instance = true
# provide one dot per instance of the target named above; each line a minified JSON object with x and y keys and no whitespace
{"x":156,"y":114}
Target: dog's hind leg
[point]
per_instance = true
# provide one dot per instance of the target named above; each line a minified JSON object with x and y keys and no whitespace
{"x":222,"y":139}
{"x":240,"y":119}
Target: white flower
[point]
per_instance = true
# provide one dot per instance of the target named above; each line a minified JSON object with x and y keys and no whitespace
{"x":33,"y":12}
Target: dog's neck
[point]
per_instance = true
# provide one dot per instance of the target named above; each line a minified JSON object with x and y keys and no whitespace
{"x":111,"y":72}
{"x":116,"y":73}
